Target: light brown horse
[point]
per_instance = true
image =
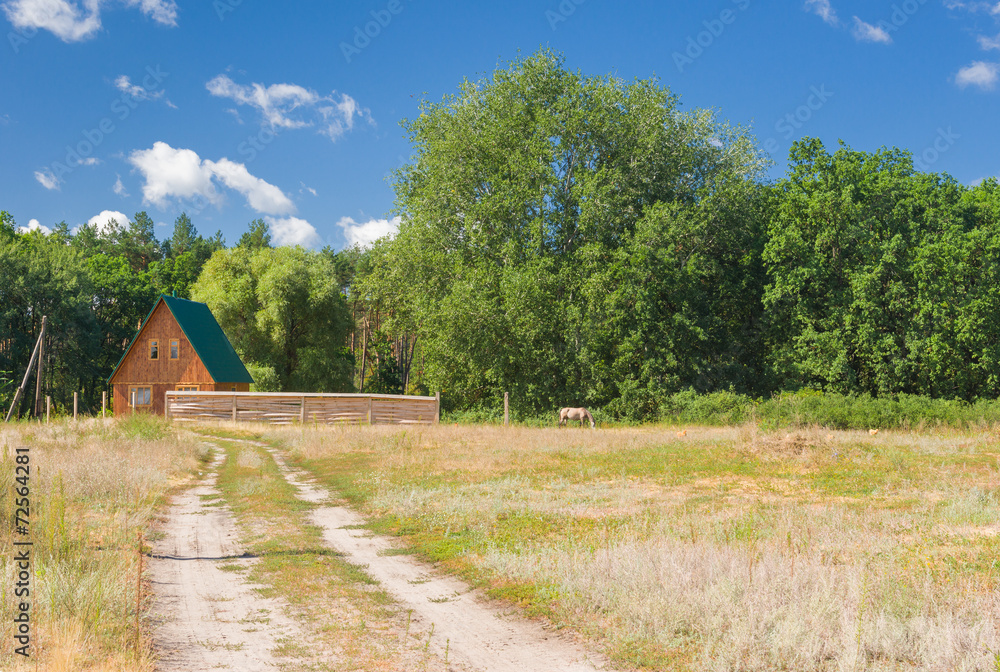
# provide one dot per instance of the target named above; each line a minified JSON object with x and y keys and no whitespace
{"x":581,"y":414}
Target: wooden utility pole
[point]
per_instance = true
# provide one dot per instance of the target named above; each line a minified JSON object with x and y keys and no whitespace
{"x":41,"y":369}
{"x":24,"y":383}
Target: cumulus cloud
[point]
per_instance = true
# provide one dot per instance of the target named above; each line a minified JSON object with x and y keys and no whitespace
{"x":368,"y":232}
{"x":866,"y":32}
{"x":261,"y":196}
{"x":824,"y":10}
{"x":181,"y":173}
{"x":34,"y":225}
{"x":173,"y":173}
{"x":103,"y":221}
{"x":73,"y":21}
{"x":293,"y":231}
{"x":980,"y":73}
{"x":289,"y":106}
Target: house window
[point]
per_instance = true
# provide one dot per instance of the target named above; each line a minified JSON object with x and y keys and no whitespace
{"x":187,"y":388}
{"x":175,"y":348}
{"x":140,"y":396}
{"x":154,"y":349}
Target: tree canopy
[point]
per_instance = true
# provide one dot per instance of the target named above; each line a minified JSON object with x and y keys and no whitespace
{"x":283,"y":312}
{"x":575,"y":239}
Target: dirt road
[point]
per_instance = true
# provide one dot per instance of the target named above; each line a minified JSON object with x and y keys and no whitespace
{"x":208,"y":618}
{"x":211,"y":619}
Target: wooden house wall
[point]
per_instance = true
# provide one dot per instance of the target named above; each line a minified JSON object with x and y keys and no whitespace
{"x":162,"y":374}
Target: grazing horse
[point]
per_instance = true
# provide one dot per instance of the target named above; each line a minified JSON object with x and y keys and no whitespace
{"x":580,"y":414}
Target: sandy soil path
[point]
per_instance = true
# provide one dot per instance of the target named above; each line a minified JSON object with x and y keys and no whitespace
{"x":477,"y":636}
{"x":207,"y":618}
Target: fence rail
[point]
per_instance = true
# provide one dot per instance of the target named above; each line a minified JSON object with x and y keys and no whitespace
{"x":285,"y":408}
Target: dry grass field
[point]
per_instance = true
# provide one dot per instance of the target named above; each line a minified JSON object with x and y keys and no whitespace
{"x":719,"y":549}
{"x":712,"y":549}
{"x":94,"y":488}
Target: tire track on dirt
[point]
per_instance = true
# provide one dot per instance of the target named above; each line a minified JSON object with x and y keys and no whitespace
{"x":206,"y":618}
{"x":470,"y":633}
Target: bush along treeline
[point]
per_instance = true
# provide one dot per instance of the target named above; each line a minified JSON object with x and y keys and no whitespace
{"x":574,"y":240}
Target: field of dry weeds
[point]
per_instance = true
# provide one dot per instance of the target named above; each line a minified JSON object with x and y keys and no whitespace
{"x":94,"y":487}
{"x":715,"y":549}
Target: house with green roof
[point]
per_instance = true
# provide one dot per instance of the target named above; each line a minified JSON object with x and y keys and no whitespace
{"x":180,"y":346}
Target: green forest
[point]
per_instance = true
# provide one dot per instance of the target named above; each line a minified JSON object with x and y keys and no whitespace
{"x":572,"y":240}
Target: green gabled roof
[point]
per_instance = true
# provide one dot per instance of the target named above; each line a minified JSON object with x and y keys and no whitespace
{"x":206,"y":337}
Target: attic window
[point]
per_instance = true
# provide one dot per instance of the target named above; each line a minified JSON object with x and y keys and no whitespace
{"x":154,"y":349}
{"x":175,"y":348}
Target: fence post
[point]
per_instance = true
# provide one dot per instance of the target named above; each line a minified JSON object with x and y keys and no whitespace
{"x":437,"y":407}
{"x":76,"y":404}
{"x":369,"y":410}
{"x":506,"y":409}
{"x":235,"y":414}
{"x":302,"y":411}
{"x":104,"y":403}
{"x":166,"y":404}
{"x":48,"y":407}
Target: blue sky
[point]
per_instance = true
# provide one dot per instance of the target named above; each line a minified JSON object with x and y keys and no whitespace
{"x":232,"y":110}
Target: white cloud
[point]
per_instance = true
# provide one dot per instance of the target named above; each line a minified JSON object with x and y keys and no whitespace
{"x":34,"y":225}
{"x":173,"y":172}
{"x":306,"y":188}
{"x":866,"y":32}
{"x":119,"y":188}
{"x":989,"y":43}
{"x":181,"y":173}
{"x":73,"y":21}
{"x":293,"y":231}
{"x":89,"y":161}
{"x":125,"y":85}
{"x":261,"y":196}
{"x":981,"y":74}
{"x":161,"y":11}
{"x":824,"y":10}
{"x":275,"y":102}
{"x":103,"y":220}
{"x":47,"y":179}
{"x":367,"y":233}
{"x":293,"y":106}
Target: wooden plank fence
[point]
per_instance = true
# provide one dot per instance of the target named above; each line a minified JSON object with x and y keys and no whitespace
{"x":285,"y":408}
